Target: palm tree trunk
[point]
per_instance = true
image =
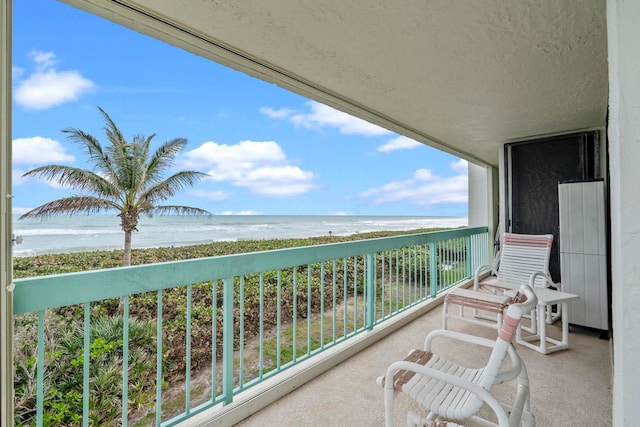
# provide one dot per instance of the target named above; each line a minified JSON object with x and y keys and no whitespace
{"x":127,"y":248}
{"x":126,"y":262}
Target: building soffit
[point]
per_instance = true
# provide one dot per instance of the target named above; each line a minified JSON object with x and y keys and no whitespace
{"x":462,"y":77}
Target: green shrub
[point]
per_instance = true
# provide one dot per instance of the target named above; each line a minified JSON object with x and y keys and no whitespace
{"x":63,"y":369}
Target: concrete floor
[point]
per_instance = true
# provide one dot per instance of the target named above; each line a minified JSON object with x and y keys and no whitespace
{"x":568,"y":388}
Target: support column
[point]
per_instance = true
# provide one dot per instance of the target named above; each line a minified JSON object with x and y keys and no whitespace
{"x":484,"y":200}
{"x":624,"y":154}
{"x":6,"y":274}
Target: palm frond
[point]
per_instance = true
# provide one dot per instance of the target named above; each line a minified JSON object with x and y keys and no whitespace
{"x":172,"y":185}
{"x":92,"y":147}
{"x":175,"y":210}
{"x":75,"y":178}
{"x":144,"y":144}
{"x":72,"y":206}
{"x":112,"y":131}
{"x":163,"y":157}
{"x":129,"y":170}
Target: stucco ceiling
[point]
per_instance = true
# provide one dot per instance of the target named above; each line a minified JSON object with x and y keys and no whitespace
{"x":463,"y":76}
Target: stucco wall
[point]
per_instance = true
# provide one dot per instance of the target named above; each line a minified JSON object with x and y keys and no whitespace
{"x":478,"y":194}
{"x":624,"y":138}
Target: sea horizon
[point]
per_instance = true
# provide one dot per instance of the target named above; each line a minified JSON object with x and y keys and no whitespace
{"x":66,"y":234}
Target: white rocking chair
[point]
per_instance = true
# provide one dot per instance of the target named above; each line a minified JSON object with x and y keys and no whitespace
{"x":522,"y":257}
{"x":452,"y":393}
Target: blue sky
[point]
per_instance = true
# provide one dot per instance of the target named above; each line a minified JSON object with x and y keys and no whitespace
{"x":267,"y":150}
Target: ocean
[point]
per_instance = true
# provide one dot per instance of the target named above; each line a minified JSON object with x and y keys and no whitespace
{"x":101,"y":232}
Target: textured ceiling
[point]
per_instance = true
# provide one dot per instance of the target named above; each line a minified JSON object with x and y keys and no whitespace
{"x":463,"y":76}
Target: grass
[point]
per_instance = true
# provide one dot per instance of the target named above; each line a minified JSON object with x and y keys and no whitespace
{"x":321,"y":334}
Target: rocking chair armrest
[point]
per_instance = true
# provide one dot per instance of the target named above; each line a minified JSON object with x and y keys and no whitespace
{"x":504,"y":375}
{"x":458,"y":336}
{"x":514,"y":370}
{"x":481,"y":393}
{"x":479,"y":270}
{"x":545,"y":274}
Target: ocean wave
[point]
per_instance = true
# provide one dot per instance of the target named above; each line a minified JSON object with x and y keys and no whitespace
{"x":227,"y":228}
{"x":97,"y":233}
{"x":65,"y":231}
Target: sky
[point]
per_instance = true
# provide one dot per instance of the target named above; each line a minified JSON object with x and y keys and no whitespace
{"x":266,"y":150}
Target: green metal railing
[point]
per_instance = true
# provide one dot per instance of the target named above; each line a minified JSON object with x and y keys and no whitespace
{"x":222,"y":324}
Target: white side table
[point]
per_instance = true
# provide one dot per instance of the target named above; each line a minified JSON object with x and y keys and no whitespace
{"x":546,"y":345}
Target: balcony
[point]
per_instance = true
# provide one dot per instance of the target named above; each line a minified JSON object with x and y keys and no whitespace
{"x":212,"y":340}
{"x":569,"y":388}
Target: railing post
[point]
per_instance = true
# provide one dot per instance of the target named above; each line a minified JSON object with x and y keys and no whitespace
{"x":467,"y":256}
{"x":125,"y":362}
{"x":433,"y":272}
{"x":227,"y":340}
{"x":159,"y":359}
{"x":39,"y":373}
{"x":370,"y":287}
{"x":86,"y":363}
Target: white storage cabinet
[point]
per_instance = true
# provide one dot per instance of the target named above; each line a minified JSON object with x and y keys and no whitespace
{"x":583,"y":251}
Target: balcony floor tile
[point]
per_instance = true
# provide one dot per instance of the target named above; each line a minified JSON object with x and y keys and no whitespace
{"x":570,"y":387}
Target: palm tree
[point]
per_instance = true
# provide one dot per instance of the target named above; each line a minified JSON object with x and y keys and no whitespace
{"x":125,"y":178}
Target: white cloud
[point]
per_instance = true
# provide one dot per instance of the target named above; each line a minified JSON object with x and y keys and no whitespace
{"x":424,"y":189}
{"x":39,"y":151}
{"x":282,"y":113}
{"x":16,"y":176}
{"x":321,"y":116}
{"x":281,"y":181}
{"x":399,"y":143}
{"x":229,"y":156}
{"x":261,"y":167}
{"x":424,"y":175}
{"x":215,"y":196}
{"x":461,"y":167}
{"x":47,"y":87}
{"x":43,"y":60}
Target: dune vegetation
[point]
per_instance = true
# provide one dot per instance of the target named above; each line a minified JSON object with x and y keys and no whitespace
{"x":64,"y":333}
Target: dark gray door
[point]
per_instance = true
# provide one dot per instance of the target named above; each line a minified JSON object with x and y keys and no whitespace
{"x":534,"y":169}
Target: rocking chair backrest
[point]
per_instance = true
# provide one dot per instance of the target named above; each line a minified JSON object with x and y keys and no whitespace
{"x":522,"y":255}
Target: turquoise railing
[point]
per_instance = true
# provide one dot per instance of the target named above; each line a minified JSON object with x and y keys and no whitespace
{"x":262,"y":313}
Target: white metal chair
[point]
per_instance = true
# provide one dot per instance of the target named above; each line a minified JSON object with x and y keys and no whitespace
{"x":453,"y":393}
{"x":522,"y":256}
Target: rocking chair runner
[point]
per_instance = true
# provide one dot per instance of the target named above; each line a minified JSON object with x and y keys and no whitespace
{"x":521,"y":257}
{"x":452,"y":392}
